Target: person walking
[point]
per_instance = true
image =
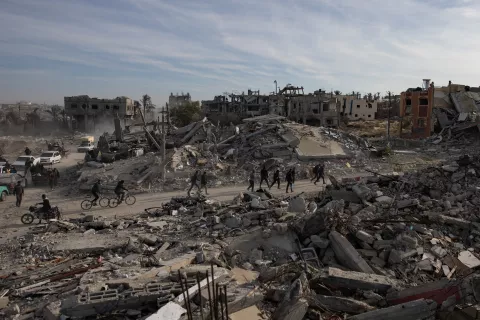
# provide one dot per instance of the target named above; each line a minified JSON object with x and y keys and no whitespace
{"x":51,"y":177}
{"x":203,"y":182}
{"x":56,"y":176}
{"x":293,"y":178}
{"x":289,"y":179}
{"x":28,"y":151}
{"x":314,"y":171}
{"x":320,"y":174}
{"x":263,"y":176}
{"x":18,"y":192}
{"x":251,"y":181}
{"x":276,"y":178}
{"x":193,"y":181}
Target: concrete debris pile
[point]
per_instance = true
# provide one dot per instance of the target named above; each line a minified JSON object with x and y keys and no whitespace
{"x":379,"y":247}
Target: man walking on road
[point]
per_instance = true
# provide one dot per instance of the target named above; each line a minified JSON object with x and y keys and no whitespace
{"x":263,"y":176}
{"x":276,"y":178}
{"x":203,"y":182}
{"x":320,"y":173}
{"x":18,"y":191}
{"x":194,"y":183}
{"x":51,"y":178}
{"x":289,"y":179}
{"x":251,"y":181}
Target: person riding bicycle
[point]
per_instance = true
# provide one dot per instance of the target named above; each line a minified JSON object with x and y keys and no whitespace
{"x":95,"y":192}
{"x":120,"y":190}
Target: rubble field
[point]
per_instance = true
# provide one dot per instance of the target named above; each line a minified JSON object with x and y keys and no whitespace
{"x":394,"y":234}
{"x":380,"y":247}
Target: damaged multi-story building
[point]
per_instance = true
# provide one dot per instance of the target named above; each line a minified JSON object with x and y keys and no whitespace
{"x":178,"y":100}
{"x":355,"y":107}
{"x":85,"y":112}
{"x":430,"y":109}
{"x":319,"y":108}
{"x":234,"y":106}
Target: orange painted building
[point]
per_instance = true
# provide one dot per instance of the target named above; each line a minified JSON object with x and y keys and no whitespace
{"x":417,"y":106}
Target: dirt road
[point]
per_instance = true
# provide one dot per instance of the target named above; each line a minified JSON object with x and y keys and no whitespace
{"x":70,"y":207}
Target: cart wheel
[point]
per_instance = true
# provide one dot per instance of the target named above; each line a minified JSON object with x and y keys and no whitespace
{"x":130,"y":200}
{"x":86,"y":204}
{"x":27,"y":218}
{"x":104,"y":202}
{"x":113,"y":203}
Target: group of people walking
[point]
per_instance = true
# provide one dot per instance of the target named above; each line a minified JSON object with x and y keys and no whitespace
{"x":318,"y":173}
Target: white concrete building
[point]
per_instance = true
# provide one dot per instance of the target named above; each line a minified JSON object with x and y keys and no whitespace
{"x":358,"y":109}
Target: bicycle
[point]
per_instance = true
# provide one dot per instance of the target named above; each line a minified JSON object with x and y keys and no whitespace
{"x":128,"y":199}
{"x":87,"y":203}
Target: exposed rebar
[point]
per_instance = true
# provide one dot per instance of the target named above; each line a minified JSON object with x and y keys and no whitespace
{"x":183,"y":292}
{"x":210,"y":302}
{"x":200,"y":294}
{"x":221,"y":300}
{"x":226,"y":301}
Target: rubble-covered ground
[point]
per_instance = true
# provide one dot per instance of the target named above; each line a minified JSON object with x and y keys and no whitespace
{"x":392,"y":236}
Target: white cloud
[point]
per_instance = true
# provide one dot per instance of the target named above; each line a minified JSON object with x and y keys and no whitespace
{"x":372,"y":45}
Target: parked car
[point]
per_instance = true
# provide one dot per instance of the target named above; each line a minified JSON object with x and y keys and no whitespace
{"x":4,"y":171}
{"x":20,"y":162}
{"x":50,"y":157}
{"x":4,"y":192}
{"x":10,"y":180}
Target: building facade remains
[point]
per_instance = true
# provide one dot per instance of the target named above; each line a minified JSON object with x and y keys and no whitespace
{"x":355,"y":108}
{"x":416,"y":106}
{"x":319,"y":109}
{"x":85,"y":112}
{"x":175,"y":101}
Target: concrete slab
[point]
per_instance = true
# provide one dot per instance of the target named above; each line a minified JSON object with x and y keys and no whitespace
{"x":337,"y":278}
{"x":251,"y":313}
{"x":170,"y":311}
{"x":468,"y":259}
{"x":243,"y":276}
{"x":346,"y":254}
{"x":77,"y":243}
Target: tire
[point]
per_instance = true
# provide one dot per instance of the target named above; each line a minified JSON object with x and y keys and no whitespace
{"x":113,"y":203}
{"x":27,"y":218}
{"x":130,"y":200}
{"x":86,"y":204}
{"x":3,"y":196}
{"x":104,"y":202}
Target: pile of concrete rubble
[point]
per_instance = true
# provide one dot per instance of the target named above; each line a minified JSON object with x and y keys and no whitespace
{"x":380,"y":247}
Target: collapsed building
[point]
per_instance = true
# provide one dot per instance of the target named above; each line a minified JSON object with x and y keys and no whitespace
{"x":85,"y":112}
{"x":447,"y":110}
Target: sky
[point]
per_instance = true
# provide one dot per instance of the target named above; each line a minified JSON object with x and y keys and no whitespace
{"x":55,"y":48}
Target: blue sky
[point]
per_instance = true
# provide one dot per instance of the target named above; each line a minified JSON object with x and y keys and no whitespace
{"x":55,"y":48}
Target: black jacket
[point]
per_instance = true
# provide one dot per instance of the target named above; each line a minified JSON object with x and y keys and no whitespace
{"x":96,"y":187}
{"x":46,"y":205}
{"x":18,"y":190}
